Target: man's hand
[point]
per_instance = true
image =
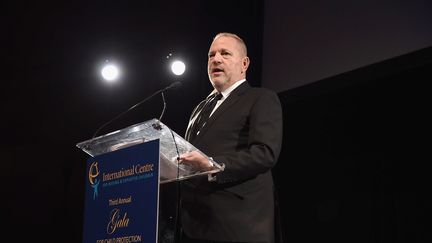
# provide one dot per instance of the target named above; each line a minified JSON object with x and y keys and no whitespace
{"x":196,"y":160}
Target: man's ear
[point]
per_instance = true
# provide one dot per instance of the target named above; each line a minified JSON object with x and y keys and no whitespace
{"x":245,"y":64}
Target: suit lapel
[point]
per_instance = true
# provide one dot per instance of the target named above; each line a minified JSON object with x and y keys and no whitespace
{"x":232,"y":99}
{"x":194,"y":114}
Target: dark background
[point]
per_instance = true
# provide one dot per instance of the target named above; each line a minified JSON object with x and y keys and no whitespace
{"x":352,"y":85}
{"x":353,"y":167}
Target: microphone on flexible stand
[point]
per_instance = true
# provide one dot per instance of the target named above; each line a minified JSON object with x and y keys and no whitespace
{"x":158,"y":125}
{"x":173,"y":85}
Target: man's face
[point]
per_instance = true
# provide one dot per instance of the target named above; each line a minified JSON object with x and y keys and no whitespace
{"x":227,"y":62}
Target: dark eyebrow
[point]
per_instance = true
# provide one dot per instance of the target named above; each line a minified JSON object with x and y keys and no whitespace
{"x":221,"y":51}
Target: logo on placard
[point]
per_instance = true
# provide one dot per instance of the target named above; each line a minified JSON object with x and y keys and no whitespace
{"x":93,"y":177}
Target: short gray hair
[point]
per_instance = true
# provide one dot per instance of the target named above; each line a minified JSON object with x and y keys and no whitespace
{"x":239,"y":40}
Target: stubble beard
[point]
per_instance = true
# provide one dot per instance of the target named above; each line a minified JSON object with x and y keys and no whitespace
{"x":219,"y":83}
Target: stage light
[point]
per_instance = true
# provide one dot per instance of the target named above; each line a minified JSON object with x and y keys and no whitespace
{"x":178,"y":67}
{"x":110,"y":72}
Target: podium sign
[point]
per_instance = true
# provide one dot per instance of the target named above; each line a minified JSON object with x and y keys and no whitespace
{"x":121,"y":195}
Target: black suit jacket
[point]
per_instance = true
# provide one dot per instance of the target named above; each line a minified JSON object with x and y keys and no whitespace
{"x":245,"y":134}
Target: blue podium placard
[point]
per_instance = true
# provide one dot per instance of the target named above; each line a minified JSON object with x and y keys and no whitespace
{"x":122,"y":194}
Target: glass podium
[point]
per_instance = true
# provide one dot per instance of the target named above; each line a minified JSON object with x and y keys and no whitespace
{"x":171,"y":146}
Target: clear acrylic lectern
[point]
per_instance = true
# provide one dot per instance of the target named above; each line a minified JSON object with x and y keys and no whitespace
{"x":171,"y":146}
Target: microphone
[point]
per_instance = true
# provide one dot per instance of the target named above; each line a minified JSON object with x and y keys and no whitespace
{"x":173,"y":85}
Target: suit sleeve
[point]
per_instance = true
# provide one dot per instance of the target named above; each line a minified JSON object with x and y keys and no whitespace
{"x":259,"y":151}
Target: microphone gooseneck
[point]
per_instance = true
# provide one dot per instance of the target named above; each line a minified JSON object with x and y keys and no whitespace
{"x":173,"y":85}
{"x":158,"y":125}
{"x":164,"y":106}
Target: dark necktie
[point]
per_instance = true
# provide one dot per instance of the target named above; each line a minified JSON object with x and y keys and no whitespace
{"x":204,"y":115}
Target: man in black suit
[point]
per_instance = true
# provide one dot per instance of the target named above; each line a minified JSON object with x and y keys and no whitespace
{"x":243,"y":132}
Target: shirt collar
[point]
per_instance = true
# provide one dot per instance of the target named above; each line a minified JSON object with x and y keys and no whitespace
{"x":228,"y":91}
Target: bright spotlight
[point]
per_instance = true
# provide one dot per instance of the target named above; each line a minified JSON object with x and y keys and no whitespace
{"x":178,"y":67}
{"x":110,"y":72}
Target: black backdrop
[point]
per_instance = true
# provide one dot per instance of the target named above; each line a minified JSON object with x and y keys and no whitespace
{"x":353,"y":166}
